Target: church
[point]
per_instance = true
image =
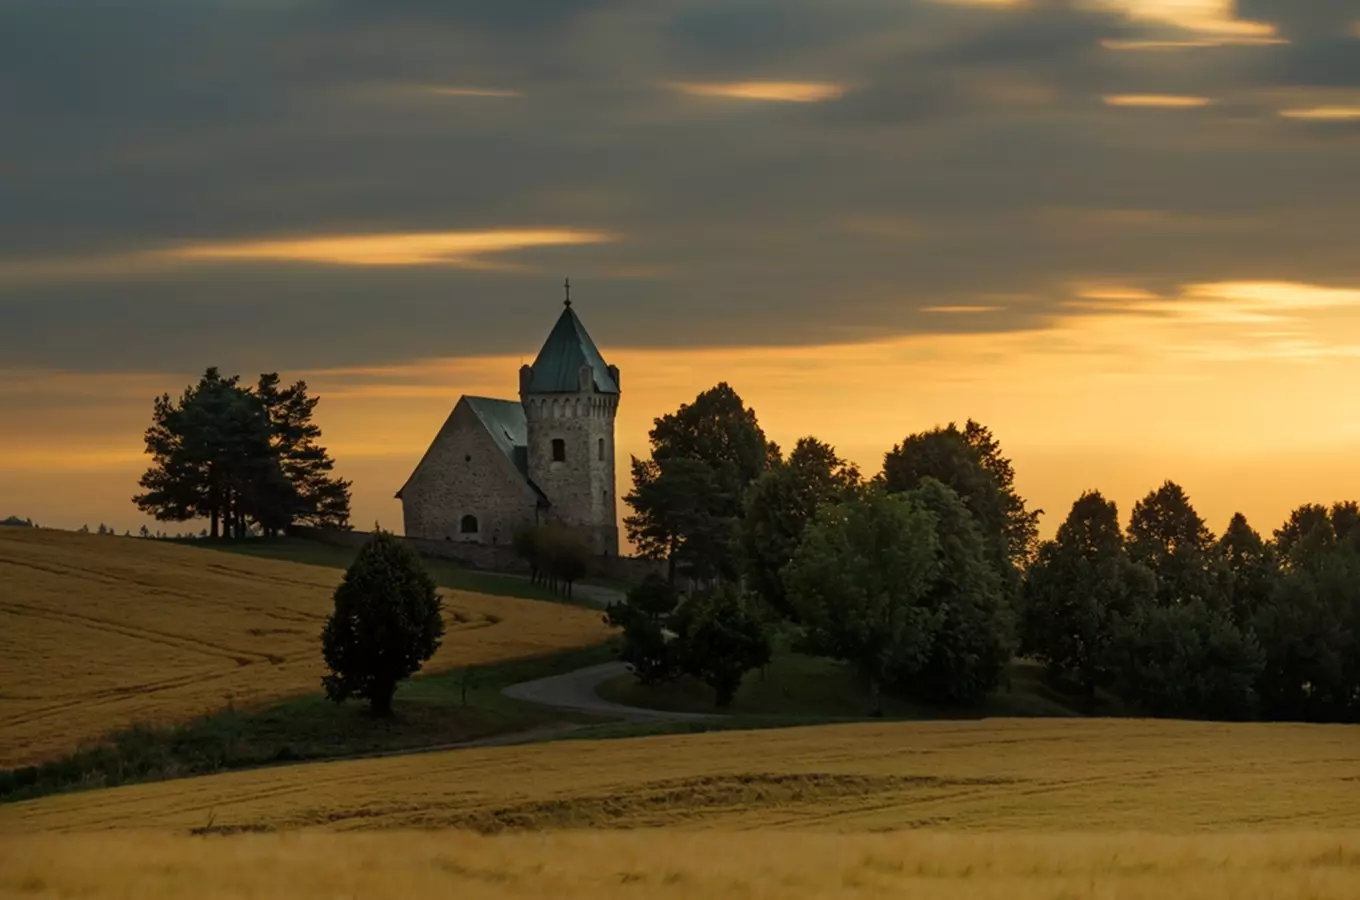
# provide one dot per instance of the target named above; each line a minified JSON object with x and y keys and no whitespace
{"x":498,"y":465}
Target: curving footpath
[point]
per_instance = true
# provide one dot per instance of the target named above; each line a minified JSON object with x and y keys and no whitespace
{"x":577,"y":691}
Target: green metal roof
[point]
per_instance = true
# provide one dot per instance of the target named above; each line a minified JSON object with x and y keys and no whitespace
{"x":567,"y":349}
{"x":508,"y":427}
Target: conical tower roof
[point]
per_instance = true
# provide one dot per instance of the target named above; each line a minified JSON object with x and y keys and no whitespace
{"x":568,"y":348}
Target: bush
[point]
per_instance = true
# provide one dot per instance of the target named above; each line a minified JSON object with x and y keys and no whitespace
{"x":555,"y":553}
{"x":645,"y":616}
{"x":387,"y":622}
{"x":722,"y":641}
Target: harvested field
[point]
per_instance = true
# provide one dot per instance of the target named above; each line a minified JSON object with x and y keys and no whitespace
{"x":704,"y":866}
{"x":999,"y":775}
{"x":99,"y":632}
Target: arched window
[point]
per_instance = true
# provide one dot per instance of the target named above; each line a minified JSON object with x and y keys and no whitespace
{"x":469,"y":525}
{"x":559,"y":450}
{"x":601,"y":449}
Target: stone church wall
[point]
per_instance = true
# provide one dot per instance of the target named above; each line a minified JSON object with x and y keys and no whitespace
{"x":466,"y":474}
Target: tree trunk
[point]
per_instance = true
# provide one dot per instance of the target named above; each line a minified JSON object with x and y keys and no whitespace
{"x":213,"y":516}
{"x":875,"y":698}
{"x":380,"y":703}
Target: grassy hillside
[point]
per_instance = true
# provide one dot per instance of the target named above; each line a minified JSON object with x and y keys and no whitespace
{"x":446,"y":572}
{"x":798,"y":685}
{"x":98,"y":632}
{"x":702,"y":866}
{"x":989,"y":775}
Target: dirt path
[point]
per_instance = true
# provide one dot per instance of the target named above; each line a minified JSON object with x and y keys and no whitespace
{"x":577,"y":691}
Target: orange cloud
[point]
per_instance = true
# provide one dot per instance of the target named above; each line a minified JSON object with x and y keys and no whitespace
{"x":456,"y":248}
{"x":1157,"y":101}
{"x":450,"y":91}
{"x":459,"y":249}
{"x":773,"y":91}
{"x":1324,"y":113}
{"x":962,"y":309}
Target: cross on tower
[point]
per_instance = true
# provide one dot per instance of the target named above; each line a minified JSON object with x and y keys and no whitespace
{"x":567,"y":302}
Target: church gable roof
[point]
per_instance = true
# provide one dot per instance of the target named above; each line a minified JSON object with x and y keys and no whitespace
{"x":505,"y":423}
{"x":568,"y":348}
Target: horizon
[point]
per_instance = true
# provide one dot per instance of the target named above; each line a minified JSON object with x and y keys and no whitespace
{"x":1118,"y":233}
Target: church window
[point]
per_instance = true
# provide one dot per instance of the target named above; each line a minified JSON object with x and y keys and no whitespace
{"x":559,"y":450}
{"x":469,"y":525}
{"x":601,"y":449}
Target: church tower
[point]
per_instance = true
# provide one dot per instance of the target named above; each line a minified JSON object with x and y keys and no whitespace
{"x":570,"y":396}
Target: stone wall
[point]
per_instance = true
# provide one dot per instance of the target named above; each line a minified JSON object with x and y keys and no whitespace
{"x":466,"y":473}
{"x":581,"y":487}
{"x":488,"y":557}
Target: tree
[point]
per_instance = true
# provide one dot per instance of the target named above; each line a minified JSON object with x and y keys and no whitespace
{"x":566,"y":555}
{"x":1022,"y":525}
{"x":971,"y":645}
{"x":1310,"y":631}
{"x":722,"y":641}
{"x":778,"y":506}
{"x":858,"y":581}
{"x":318,"y":498}
{"x":1076,"y":592}
{"x":645,"y":617}
{"x":1307,"y":535}
{"x":1248,"y":570}
{"x":945,"y":455}
{"x":1168,"y":537}
{"x":1187,"y":661}
{"x":237,"y":456}
{"x":555,"y":554}
{"x":388,"y":620}
{"x":687,"y":497}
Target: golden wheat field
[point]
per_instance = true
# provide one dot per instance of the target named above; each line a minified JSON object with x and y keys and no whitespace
{"x":97,"y":632}
{"x":994,"y":775}
{"x":665,"y":864}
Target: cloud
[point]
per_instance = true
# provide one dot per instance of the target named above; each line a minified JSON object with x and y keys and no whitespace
{"x":1323,"y":113}
{"x":415,"y":249}
{"x":1157,"y":101}
{"x":777,"y":91}
{"x":166,"y":201}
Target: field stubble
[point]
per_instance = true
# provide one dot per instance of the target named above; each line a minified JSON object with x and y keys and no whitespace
{"x":994,"y":775}
{"x":98,"y":632}
{"x":665,"y":864}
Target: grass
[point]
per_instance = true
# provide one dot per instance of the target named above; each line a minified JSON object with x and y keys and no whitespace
{"x":446,"y":573}
{"x":679,"y":865}
{"x":992,"y":775}
{"x":795,"y":685}
{"x":99,"y":632}
{"x":431,"y":711}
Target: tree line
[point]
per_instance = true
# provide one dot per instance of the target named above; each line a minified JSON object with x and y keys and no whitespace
{"x":929,"y":578}
{"x":244,"y":457}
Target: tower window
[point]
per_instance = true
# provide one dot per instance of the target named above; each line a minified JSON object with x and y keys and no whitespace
{"x":559,"y":450}
{"x":469,"y":525}
{"x":601,"y":449}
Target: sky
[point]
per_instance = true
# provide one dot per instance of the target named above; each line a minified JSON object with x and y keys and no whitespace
{"x":1122,"y":234}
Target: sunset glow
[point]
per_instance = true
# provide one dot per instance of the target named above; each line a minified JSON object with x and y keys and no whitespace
{"x":451,"y":248}
{"x":1157,"y":101}
{"x":447,"y":91}
{"x":774,"y":91}
{"x":1324,"y":113}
